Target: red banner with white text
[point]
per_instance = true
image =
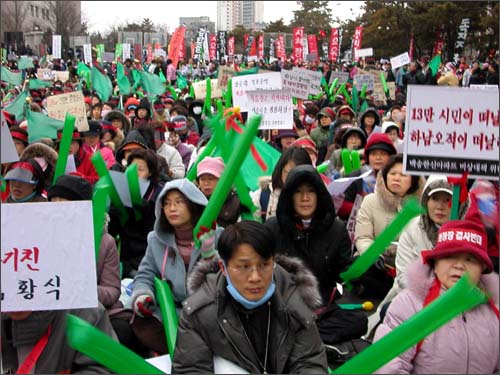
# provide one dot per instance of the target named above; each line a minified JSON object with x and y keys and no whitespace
{"x":312,"y":45}
{"x":280,"y":47}
{"x":230,"y":46}
{"x":358,"y":34}
{"x":177,"y":42}
{"x":333,"y":51}
{"x":212,"y":47}
{"x":149,"y":55}
{"x":298,"y":50}
{"x":260,"y":47}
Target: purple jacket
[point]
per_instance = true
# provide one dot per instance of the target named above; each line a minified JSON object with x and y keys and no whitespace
{"x":467,"y":344}
{"x":108,"y":273}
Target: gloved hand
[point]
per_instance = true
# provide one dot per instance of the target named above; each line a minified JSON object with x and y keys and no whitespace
{"x":143,"y":305}
{"x":207,"y":239}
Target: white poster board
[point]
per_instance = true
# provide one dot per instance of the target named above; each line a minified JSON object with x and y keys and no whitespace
{"x":159,"y":52}
{"x":223,"y":76}
{"x":364,"y":52}
{"x":451,"y":130}
{"x":276,"y":108}
{"x":63,"y":76}
{"x":400,"y":60}
{"x":362,"y":79}
{"x":56,"y":46}
{"x":484,"y":87}
{"x":342,"y":77}
{"x":45,"y":74}
{"x":48,"y":256}
{"x":314,"y":79}
{"x":253,"y":82}
{"x":87,"y":53}
{"x":72,"y":103}
{"x":200,"y":89}
{"x":125,"y":51}
{"x":9,"y":153}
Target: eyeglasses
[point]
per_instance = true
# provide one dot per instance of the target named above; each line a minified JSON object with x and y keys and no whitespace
{"x":175,"y":203}
{"x":247,"y":270}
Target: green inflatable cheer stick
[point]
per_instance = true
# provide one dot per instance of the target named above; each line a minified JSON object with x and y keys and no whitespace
{"x":323,"y":167}
{"x":4,"y":184}
{"x":411,"y":209}
{"x":384,"y":84}
{"x":208,"y":98}
{"x":332,"y":87}
{"x":135,"y":190}
{"x":168,"y":313}
{"x":342,"y":86}
{"x":67,"y":136}
{"x":172,"y":92}
{"x":228,"y":97}
{"x":92,"y":342}
{"x":355,"y":160}
{"x":227,"y":178}
{"x":463,"y":296}
{"x":99,"y":204}
{"x":345,"y":155}
{"x":355,"y":99}
{"x":220,"y":108}
{"x":363,"y":91}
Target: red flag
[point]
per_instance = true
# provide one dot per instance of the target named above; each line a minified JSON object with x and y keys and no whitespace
{"x":439,"y":44}
{"x":230,"y":46}
{"x":280,"y":47}
{"x":245,"y":41}
{"x":177,"y":42}
{"x":212,"y":46}
{"x":333,"y":52}
{"x":260,"y":50}
{"x":253,"y":48}
{"x":357,"y":39}
{"x":181,"y":51}
{"x":150,"y":53}
{"x":412,"y":47}
{"x":312,"y":44}
{"x":138,"y":51}
{"x":298,"y":51}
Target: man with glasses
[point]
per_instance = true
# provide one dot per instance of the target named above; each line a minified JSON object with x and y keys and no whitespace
{"x":250,"y":308}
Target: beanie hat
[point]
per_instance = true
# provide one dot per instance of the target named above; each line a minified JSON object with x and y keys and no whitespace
{"x":180,"y":123}
{"x":305,"y":142}
{"x":328,"y":112}
{"x":379,"y":141}
{"x":75,"y":137}
{"x":460,"y":236}
{"x":283,"y":133}
{"x":72,"y":188}
{"x":214,"y":166}
{"x":131,"y":104}
{"x":95,"y":128}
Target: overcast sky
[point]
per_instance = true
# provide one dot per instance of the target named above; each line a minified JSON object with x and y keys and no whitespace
{"x":102,"y":15}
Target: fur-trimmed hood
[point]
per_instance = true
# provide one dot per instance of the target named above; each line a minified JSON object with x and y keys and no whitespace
{"x":37,"y":149}
{"x":391,"y":201}
{"x":119,"y":115}
{"x":305,"y":281}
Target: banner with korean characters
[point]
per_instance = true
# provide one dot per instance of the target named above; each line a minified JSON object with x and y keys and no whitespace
{"x":451,"y":130}
{"x":48,"y":257}
{"x":342,"y":77}
{"x":314,"y":79}
{"x":200,"y":89}
{"x":298,"y":83}
{"x":72,"y":103}
{"x":253,"y":82}
{"x":225,"y":73}
{"x":276,"y":108}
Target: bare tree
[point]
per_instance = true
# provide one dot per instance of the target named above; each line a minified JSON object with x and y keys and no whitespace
{"x":65,"y":19}
{"x":13,"y":15}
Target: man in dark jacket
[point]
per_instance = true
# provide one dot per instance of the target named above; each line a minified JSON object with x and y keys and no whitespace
{"x":251,"y":309}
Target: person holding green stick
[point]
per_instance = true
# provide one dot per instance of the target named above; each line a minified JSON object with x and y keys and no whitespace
{"x":470,"y":342}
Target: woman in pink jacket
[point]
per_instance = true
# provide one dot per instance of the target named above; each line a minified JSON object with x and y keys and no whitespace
{"x":468,"y":344}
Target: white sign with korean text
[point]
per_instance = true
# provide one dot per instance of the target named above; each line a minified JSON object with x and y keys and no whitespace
{"x":72,"y":103}
{"x":9,"y":153}
{"x":56,"y":46}
{"x":342,"y":77}
{"x":276,"y":108}
{"x":314,"y":79}
{"x":48,"y":256}
{"x":87,"y":53}
{"x":200,"y":89}
{"x":364,"y":52}
{"x":45,"y":74}
{"x":362,"y":79}
{"x":451,"y":130}
{"x":253,"y":82}
{"x":400,"y":60}
{"x":125,"y":51}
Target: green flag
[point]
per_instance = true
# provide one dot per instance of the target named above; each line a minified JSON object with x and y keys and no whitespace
{"x":162,"y":77}
{"x":42,"y":126}
{"x":181,"y":81}
{"x":25,"y":63}
{"x":152,"y":84}
{"x":434,"y":64}
{"x":38,"y":84}
{"x":102,"y":84}
{"x":118,"y":51}
{"x":99,"y":52}
{"x":81,"y":69}
{"x":11,"y":77}
{"x":137,"y":79}
{"x":121,"y":78}
{"x":17,"y":107}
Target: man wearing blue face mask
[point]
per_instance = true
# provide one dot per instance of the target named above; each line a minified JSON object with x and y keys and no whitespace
{"x":250,"y":308}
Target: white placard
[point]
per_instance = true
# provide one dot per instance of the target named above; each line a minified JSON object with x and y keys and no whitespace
{"x":451,"y":130}
{"x":253,"y":82}
{"x":56,"y":46}
{"x":339,"y":185}
{"x":314,"y":78}
{"x":72,"y":103}
{"x":276,"y":108}
{"x":400,"y":60}
{"x":342,"y":77}
{"x":296,"y":83}
{"x":200,"y":89}
{"x":45,"y":74}
{"x":360,"y":80}
{"x":87,"y":53}
{"x":125,"y":51}
{"x":159,"y":52}
{"x":121,"y":185}
{"x":364,"y":52}
{"x":9,"y":152}
{"x":48,"y":256}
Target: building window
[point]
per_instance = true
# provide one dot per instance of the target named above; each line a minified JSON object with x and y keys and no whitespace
{"x":47,"y":13}
{"x":32,"y":10}
{"x":36,"y":12}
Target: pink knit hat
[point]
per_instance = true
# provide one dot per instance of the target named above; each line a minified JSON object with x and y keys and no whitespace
{"x":213,"y":166}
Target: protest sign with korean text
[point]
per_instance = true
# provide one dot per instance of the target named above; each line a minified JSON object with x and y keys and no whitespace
{"x":451,"y":130}
{"x":45,"y":74}
{"x":253,"y":82}
{"x":200,"y":89}
{"x":365,"y":52}
{"x":276,"y":108}
{"x":223,"y":76}
{"x":48,"y":256}
{"x":342,"y":77}
{"x":314,"y":79}
{"x":364,"y":78}
{"x":72,"y":103}
{"x":296,"y":83}
{"x":400,"y":60}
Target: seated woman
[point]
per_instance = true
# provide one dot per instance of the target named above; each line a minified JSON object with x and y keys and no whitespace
{"x":250,"y":308}
{"x":470,"y":342}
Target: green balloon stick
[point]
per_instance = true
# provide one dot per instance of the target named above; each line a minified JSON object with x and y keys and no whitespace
{"x":244,"y":194}
{"x":355,"y":160}
{"x":102,"y":171}
{"x":323,"y":167}
{"x":411,"y":209}
{"x":67,"y":136}
{"x":208,"y":97}
{"x":168,"y":313}
{"x":355,"y":99}
{"x":463,"y":296}
{"x":220,"y":107}
{"x":99,"y":204}
{"x":339,"y":90}
{"x":345,"y":155}
{"x":363,"y":91}
{"x":92,"y":342}
{"x":172,"y":92}
{"x":135,"y":190}
{"x":4,"y":184}
{"x":227,"y":178}
{"x":332,"y":87}
{"x":228,"y":97}
{"x":384,"y":84}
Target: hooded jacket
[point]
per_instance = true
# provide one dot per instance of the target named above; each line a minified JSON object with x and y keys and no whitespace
{"x":210,"y":323}
{"x":324,"y":247}
{"x":362,"y":116}
{"x":468,"y":344}
{"x":38,"y":149}
{"x":163,"y":259}
{"x":116,"y":114}
{"x":134,"y":136}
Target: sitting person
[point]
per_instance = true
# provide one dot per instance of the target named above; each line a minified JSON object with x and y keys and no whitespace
{"x":468,"y":343}
{"x":250,"y":308}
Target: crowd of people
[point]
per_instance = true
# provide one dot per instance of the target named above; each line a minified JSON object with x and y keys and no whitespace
{"x":260,"y":287}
